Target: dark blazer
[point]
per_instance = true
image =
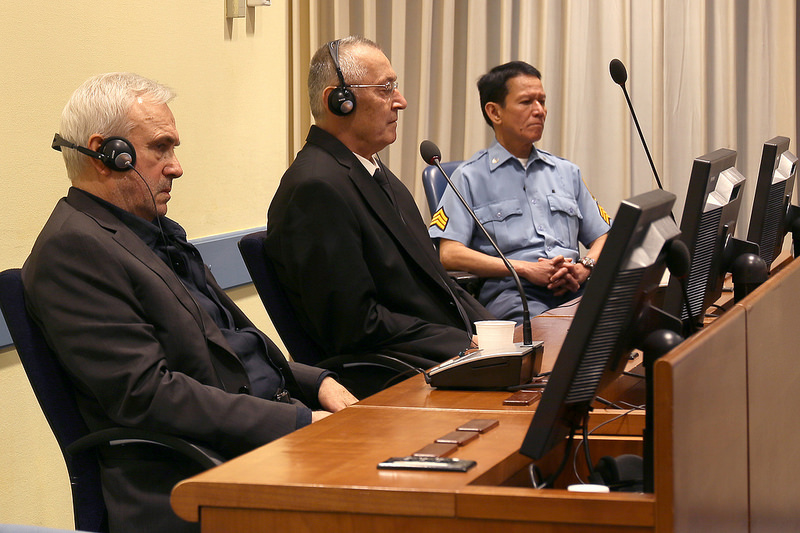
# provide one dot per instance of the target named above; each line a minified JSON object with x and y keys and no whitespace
{"x":144,"y":354}
{"x":361,"y":272}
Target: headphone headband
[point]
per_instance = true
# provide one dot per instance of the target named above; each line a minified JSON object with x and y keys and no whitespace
{"x":341,"y":100}
{"x":333,"y":48}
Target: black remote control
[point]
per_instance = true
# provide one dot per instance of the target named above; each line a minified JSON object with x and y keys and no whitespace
{"x":447,"y":464}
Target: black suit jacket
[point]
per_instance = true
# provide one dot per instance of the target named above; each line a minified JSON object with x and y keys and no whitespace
{"x":361,"y":272}
{"x":143,"y":354}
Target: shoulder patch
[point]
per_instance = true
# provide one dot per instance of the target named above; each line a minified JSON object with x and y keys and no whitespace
{"x":439,"y":219}
{"x":603,"y":213}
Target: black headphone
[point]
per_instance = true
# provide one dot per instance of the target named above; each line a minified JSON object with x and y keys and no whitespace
{"x":623,"y":473}
{"x":341,"y":100}
{"x":116,"y":152}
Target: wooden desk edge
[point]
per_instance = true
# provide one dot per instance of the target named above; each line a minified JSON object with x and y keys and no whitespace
{"x":552,"y":505}
{"x":484,"y":502}
{"x":190,"y":497}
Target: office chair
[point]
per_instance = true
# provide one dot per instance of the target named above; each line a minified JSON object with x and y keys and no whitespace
{"x":355,"y":371}
{"x":435,"y":184}
{"x":55,"y":394}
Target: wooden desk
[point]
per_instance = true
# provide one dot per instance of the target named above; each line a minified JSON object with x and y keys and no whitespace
{"x":550,"y":327}
{"x":324,"y":478}
{"x":414,"y":393}
{"x":701,"y":430}
{"x":727,"y":461}
{"x":326,"y":475}
{"x":725,"y":454}
{"x":773,"y":401}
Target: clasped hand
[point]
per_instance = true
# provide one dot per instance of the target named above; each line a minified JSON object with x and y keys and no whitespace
{"x":558,"y":274}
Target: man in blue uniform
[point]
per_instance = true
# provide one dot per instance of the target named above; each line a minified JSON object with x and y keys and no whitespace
{"x":535,"y":205}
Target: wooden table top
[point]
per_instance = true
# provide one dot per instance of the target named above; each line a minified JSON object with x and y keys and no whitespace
{"x":550,"y":327}
{"x":328,"y":470}
{"x":332,"y":464}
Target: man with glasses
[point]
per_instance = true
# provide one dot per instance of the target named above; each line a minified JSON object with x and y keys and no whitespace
{"x":346,"y":236}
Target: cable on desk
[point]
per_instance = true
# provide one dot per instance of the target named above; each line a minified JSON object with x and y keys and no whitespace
{"x":530,"y":384}
{"x":607,"y":403}
{"x":551,"y":479}
{"x":586,"y":440}
{"x":632,"y":374}
{"x":401,"y":376}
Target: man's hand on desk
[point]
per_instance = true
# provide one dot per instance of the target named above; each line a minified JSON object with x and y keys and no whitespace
{"x":333,"y":397}
{"x":316,"y":416}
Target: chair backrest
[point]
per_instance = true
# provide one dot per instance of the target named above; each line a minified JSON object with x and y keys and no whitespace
{"x":435,"y":183}
{"x":55,"y":394}
{"x":301,"y":347}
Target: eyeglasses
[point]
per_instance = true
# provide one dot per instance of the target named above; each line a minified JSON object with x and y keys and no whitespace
{"x":389,"y":87}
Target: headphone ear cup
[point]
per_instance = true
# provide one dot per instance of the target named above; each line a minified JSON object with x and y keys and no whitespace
{"x":341,"y":101}
{"x":606,"y":471}
{"x":118,"y":153}
{"x":623,"y":473}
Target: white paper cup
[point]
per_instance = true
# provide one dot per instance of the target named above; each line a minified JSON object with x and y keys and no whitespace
{"x":495,"y":335}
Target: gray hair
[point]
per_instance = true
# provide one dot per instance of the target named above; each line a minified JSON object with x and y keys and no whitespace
{"x":101,"y":106}
{"x":322,"y":72}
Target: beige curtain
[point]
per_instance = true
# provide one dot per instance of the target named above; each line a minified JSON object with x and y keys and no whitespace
{"x":702,"y":75}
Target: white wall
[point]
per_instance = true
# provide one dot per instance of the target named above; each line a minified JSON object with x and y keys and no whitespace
{"x":231,"y":114}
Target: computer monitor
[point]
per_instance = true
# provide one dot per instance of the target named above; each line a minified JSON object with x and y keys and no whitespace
{"x":615,"y":316}
{"x":770,"y":218}
{"x":709,"y":219}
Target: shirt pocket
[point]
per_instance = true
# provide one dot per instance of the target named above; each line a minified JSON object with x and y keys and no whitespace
{"x":506,"y":224}
{"x":565,"y":220}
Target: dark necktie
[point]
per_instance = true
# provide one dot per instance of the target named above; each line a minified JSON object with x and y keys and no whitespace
{"x":383,"y":181}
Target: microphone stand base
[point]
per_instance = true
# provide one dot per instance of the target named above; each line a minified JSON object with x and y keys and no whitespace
{"x":497,"y":370}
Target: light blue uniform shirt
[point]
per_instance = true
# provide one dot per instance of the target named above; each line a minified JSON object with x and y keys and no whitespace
{"x":543,"y":210}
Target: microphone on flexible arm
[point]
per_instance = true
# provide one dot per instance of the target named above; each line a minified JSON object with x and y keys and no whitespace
{"x":500,"y":369}
{"x":678,"y":258}
{"x":620,"y":75}
{"x":430,"y":154}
